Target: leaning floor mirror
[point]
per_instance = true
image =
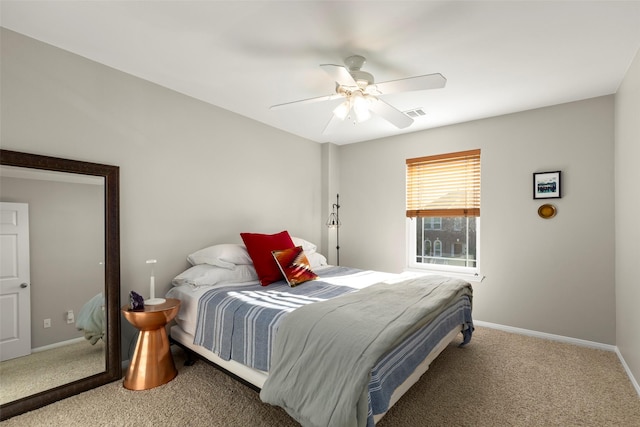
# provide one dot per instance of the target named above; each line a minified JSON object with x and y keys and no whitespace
{"x":59,"y":279}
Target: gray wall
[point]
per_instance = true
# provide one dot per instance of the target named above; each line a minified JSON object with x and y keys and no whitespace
{"x":627,"y":177}
{"x":191,"y":174}
{"x":330,"y":189}
{"x":66,"y":237}
{"x":555,"y":275}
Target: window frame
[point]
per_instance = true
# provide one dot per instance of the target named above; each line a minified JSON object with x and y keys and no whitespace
{"x":468,"y":273}
{"x":470,"y":209}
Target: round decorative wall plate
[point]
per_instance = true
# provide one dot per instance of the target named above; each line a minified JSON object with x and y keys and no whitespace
{"x":547,"y":211}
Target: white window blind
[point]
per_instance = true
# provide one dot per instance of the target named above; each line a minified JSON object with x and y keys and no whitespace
{"x":446,"y":185}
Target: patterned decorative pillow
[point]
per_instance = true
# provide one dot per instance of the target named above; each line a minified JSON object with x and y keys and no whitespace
{"x":294,"y":265}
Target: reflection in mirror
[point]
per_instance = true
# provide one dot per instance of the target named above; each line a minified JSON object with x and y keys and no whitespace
{"x":65,"y":257}
{"x":59,"y":279}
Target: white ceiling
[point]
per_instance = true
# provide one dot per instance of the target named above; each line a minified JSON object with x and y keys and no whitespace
{"x":498,"y":57}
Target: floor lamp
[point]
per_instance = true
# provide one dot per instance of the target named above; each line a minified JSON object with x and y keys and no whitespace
{"x":334,"y":222}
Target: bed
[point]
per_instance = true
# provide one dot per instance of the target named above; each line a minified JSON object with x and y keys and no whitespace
{"x":91,"y":319}
{"x":280,"y":340}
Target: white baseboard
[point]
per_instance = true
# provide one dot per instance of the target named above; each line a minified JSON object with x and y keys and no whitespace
{"x":57,"y":345}
{"x":628,"y":371}
{"x":568,"y":340}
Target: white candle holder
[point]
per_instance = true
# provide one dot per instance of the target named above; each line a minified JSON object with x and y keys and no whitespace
{"x":152,"y":287}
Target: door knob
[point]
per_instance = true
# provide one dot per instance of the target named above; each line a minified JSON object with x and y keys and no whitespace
{"x":23,"y":285}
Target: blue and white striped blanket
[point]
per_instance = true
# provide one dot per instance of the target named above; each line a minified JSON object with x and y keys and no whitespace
{"x":397,"y":365}
{"x":239,"y":322}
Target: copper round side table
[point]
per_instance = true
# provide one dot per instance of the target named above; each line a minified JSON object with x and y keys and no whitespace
{"x":152,"y":364}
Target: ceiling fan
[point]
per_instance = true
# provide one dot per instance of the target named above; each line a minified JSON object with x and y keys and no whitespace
{"x":362,"y":95}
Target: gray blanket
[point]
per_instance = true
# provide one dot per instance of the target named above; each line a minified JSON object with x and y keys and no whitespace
{"x":324,"y":352}
{"x":91,"y":319}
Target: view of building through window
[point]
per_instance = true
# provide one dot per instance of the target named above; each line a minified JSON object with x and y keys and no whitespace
{"x":446,"y":241}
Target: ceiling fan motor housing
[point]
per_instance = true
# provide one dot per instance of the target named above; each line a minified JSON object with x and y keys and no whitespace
{"x":354,"y":63}
{"x":362,"y":78}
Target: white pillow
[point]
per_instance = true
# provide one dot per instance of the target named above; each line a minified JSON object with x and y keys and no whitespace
{"x":207,"y":275}
{"x":316,"y":259}
{"x":307,"y":247}
{"x":226,"y":255}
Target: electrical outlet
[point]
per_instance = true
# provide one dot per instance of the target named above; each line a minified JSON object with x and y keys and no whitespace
{"x":70,"y":316}
{"x":47,"y":323}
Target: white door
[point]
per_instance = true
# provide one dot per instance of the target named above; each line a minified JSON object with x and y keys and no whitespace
{"x":15,"y":285}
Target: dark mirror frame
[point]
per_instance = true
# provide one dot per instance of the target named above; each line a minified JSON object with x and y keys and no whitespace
{"x":113,"y":369}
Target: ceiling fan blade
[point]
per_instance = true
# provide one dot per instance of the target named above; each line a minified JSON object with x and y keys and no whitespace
{"x":307,"y":101}
{"x":340,"y":74}
{"x":428,"y":81}
{"x":391,"y":114}
{"x":331,"y":124}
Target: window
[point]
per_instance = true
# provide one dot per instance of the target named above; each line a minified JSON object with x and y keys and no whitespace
{"x":447,"y":246}
{"x":434,"y":223}
{"x":443,"y":212}
{"x":437,"y":248}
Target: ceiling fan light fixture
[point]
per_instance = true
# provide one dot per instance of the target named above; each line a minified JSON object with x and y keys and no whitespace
{"x":342,"y":110}
{"x":361,"y":107}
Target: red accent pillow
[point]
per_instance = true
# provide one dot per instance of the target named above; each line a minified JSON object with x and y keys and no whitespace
{"x":294,"y":265}
{"x":259,"y":247}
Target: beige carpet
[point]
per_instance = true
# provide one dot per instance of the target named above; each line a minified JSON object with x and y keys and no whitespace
{"x":50,"y":368}
{"x":500,"y":379}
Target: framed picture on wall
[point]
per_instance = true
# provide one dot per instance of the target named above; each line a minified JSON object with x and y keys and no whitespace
{"x":547,"y":185}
